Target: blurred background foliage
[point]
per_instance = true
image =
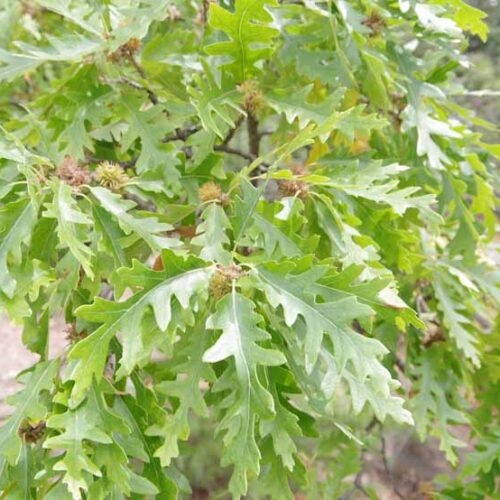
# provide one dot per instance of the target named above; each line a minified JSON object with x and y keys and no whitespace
{"x":484,"y":71}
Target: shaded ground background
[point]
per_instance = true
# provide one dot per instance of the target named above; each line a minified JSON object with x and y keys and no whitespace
{"x":408,"y":465}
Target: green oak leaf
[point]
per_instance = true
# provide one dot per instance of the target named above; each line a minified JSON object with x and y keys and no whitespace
{"x":180,"y":279}
{"x":70,"y":220}
{"x":150,"y":229}
{"x":212,"y":234}
{"x":355,"y":358}
{"x":236,"y":318}
{"x":190,"y":372}
{"x":30,"y":406}
{"x":247,"y":26}
{"x":17,"y":221}
{"x":93,"y":422}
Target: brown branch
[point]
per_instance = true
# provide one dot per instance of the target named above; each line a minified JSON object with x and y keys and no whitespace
{"x":231,"y":133}
{"x":124,"y":164}
{"x":141,"y":204}
{"x":129,"y":163}
{"x":388,"y":471}
{"x":357,"y":486}
{"x":181,"y":134}
{"x":135,"y":85}
{"x":253,"y":135}
{"x":399,"y":363}
{"x":265,"y":132}
{"x":152,"y":96}
{"x":233,"y":151}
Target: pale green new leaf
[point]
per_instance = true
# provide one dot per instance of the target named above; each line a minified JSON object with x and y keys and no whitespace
{"x":212,"y":234}
{"x":469,"y":18}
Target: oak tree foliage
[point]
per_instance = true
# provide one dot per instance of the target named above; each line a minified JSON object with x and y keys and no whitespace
{"x":269,"y":215}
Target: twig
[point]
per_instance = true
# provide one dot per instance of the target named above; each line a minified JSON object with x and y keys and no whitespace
{"x":232,"y":151}
{"x":131,"y":59}
{"x":371,"y":425}
{"x":204,"y":11}
{"x":399,"y":363}
{"x":231,"y":133}
{"x":17,"y":105}
{"x":141,"y":204}
{"x":266,"y":132}
{"x":388,"y":471}
{"x":124,"y":164}
{"x":152,"y":96}
{"x":181,"y":134}
{"x":253,"y":134}
{"x":358,"y":485}
{"x":135,"y":85}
